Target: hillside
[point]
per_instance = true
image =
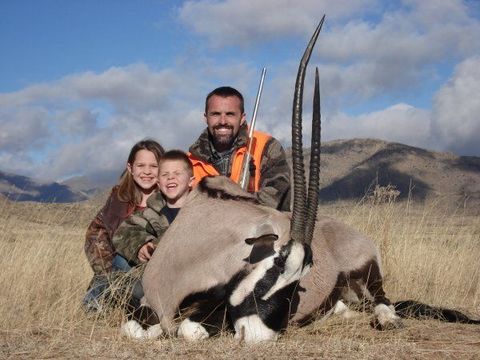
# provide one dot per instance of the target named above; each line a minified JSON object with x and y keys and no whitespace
{"x":22,"y":188}
{"x":352,"y":168}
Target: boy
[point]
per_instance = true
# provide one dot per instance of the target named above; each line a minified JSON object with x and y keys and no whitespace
{"x":137,"y":236}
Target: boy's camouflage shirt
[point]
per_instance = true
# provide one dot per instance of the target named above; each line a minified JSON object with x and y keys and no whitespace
{"x":141,"y":227}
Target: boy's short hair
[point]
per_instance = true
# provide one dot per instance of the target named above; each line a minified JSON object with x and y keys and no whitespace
{"x":178,"y":155}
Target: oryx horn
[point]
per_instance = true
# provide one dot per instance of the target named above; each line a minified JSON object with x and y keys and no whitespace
{"x":299,"y":214}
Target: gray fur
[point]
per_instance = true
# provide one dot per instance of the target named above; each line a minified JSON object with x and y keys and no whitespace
{"x":205,"y":247}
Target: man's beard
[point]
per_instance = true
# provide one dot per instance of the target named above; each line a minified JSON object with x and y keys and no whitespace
{"x":223,"y":142}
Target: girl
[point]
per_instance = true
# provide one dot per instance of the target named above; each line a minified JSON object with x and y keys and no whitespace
{"x":137,"y":183}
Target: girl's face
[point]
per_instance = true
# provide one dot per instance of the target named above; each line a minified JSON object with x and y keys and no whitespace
{"x":144,"y":169}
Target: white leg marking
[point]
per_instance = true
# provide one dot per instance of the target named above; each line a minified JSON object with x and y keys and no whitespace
{"x":192,"y":330}
{"x":133,"y":330}
{"x":253,"y":330}
{"x":342,"y":310}
{"x":386,"y":316}
{"x":153,"y":332}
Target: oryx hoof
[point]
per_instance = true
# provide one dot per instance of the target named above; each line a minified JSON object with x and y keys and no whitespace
{"x":386,"y":318}
{"x":192,"y":330}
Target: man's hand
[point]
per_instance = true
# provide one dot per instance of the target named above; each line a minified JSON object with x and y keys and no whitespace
{"x":146,"y":251}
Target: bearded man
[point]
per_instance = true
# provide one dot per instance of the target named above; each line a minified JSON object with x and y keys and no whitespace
{"x":221,"y":147}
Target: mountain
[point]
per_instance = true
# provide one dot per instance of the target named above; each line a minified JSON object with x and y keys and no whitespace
{"x":22,"y":188}
{"x":350,"y":169}
{"x":83,"y":185}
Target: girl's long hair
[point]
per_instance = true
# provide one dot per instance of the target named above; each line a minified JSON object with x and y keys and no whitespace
{"x":127,"y":189}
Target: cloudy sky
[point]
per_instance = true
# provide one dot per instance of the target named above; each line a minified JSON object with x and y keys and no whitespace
{"x":82,"y":81}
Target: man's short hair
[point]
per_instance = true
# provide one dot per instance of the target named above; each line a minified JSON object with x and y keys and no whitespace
{"x":225,"y":91}
{"x":178,"y":155}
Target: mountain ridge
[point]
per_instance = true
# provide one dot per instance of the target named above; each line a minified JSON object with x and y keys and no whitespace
{"x":350,"y":169}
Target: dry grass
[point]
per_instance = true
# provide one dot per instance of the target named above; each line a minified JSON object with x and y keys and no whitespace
{"x":430,"y":253}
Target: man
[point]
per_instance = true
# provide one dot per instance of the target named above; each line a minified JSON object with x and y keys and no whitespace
{"x":221,"y":147}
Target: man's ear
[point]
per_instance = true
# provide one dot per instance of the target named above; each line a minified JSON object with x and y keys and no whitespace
{"x":242,"y":120}
{"x":262,"y":248}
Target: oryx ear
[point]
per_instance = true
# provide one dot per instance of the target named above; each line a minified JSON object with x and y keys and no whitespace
{"x":267,"y":238}
{"x":262,"y":248}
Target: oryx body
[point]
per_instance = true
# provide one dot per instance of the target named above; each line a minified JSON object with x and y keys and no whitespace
{"x":223,"y":246}
{"x":214,"y":259}
{"x":192,"y":260}
{"x":346,"y":267}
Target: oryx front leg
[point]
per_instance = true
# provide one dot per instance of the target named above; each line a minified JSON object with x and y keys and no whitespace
{"x":251,"y":329}
{"x":192,"y":330}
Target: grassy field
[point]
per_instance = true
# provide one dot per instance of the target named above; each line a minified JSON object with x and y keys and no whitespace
{"x":430,"y":253}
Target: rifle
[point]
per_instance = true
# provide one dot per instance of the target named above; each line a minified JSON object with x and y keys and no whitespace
{"x":245,"y":173}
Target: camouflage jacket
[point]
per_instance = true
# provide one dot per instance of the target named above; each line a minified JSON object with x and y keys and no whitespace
{"x":98,"y":243}
{"x":141,"y":227}
{"x":274,"y":169}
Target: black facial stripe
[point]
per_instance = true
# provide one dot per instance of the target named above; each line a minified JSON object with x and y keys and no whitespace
{"x":274,"y":311}
{"x":308,"y":257}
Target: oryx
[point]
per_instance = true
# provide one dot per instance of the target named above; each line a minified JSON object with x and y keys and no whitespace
{"x":224,"y":245}
{"x":226,"y":250}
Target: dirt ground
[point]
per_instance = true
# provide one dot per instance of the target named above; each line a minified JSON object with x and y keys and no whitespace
{"x":333,"y":339}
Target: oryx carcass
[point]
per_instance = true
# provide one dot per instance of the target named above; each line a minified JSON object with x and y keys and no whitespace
{"x":224,"y":246}
{"x":226,"y":250}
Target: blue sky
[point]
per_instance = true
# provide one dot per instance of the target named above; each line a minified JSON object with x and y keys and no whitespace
{"x":82,"y":81}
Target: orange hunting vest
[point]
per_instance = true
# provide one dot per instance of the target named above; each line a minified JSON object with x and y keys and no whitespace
{"x":202,"y":169}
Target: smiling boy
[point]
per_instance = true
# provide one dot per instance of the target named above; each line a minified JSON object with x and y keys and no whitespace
{"x":137,"y":236}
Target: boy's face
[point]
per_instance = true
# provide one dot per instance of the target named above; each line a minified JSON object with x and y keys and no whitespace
{"x":174,"y":180}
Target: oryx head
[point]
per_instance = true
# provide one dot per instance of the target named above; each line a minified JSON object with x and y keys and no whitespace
{"x":260,"y":300}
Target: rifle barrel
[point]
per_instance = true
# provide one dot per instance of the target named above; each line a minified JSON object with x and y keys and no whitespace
{"x":244,"y":178}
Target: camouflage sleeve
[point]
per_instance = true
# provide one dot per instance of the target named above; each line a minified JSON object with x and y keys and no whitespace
{"x":138,"y":229}
{"x":275,"y":177}
{"x":98,"y":246}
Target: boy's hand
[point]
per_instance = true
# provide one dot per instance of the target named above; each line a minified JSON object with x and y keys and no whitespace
{"x":146,"y":251}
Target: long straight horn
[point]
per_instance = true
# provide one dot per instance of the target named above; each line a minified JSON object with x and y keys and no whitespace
{"x":314,"y":177}
{"x":297,"y":226}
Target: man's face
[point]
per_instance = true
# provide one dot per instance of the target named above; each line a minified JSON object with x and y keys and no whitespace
{"x":224,"y":118}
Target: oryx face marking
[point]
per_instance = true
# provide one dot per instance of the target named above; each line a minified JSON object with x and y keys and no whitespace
{"x":266,"y":291}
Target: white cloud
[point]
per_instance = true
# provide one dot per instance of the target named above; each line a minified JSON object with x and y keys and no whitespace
{"x":400,"y":123}
{"x":245,"y":22}
{"x":23,"y":126}
{"x":456,"y":110}
{"x":86,"y":123}
{"x":361,"y":57}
